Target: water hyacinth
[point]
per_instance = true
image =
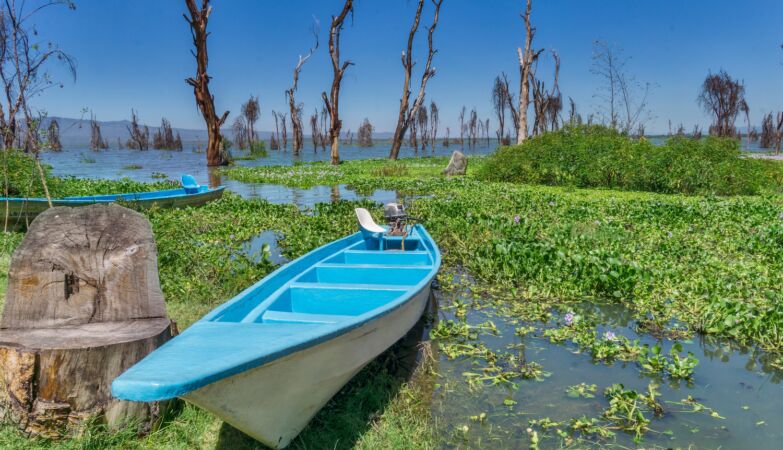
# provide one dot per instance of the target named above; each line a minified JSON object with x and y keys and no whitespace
{"x":516,"y":218}
{"x":610,"y":336}
{"x":569,"y":318}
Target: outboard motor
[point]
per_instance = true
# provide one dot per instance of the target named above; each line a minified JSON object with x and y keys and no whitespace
{"x":396,"y":218}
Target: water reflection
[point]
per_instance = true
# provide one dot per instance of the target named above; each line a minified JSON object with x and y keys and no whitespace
{"x":741,"y":383}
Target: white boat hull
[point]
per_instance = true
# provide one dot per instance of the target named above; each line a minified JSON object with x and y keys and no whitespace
{"x":274,"y":402}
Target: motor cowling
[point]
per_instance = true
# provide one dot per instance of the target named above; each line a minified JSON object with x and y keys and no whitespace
{"x":396,"y":218}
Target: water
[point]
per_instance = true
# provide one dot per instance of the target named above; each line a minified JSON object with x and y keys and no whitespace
{"x":114,"y":163}
{"x":264,"y":246}
{"x":738,"y":382}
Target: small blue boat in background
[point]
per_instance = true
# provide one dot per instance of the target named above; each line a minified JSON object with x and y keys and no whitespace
{"x":268,"y":359}
{"x":21,"y":211}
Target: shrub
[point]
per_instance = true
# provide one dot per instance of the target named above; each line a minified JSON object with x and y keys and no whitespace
{"x":596,"y":156}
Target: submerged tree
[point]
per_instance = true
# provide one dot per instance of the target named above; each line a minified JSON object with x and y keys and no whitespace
{"x":434,"y":122}
{"x":294,"y":108}
{"x":407,"y":115}
{"x":53,"y":136}
{"x":332,"y":102}
{"x":216,"y":155}
{"x":96,"y":139}
{"x":722,"y":97}
{"x":315,"y":130}
{"x":239,"y":128}
{"x":446,"y":139}
{"x":164,"y":138}
{"x":364,"y":135}
{"x":284,"y":130}
{"x":422,"y":120}
{"x":771,"y":132}
{"x":139,"y":139}
{"x":251,"y":110}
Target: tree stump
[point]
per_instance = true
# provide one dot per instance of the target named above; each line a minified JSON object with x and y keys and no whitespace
{"x":458,"y":164}
{"x":83,"y":305}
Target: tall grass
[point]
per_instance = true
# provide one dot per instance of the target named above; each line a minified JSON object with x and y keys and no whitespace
{"x":596,"y":156}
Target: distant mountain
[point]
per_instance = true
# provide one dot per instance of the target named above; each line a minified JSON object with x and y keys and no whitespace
{"x":75,"y":133}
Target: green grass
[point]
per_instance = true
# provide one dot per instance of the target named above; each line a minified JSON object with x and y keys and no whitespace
{"x":711,"y":263}
{"x":596,"y":156}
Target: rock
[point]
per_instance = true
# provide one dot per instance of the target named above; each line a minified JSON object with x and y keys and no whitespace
{"x":458,"y":164}
{"x":84,"y":304}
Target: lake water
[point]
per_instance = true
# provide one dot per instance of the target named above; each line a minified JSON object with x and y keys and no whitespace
{"x":740,"y":383}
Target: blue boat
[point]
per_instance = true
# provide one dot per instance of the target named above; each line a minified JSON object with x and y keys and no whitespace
{"x":21,"y":211}
{"x":267,"y":360}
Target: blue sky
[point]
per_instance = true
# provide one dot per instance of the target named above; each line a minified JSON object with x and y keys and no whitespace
{"x":136,"y":54}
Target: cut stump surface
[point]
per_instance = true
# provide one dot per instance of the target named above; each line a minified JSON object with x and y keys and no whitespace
{"x":83,"y":305}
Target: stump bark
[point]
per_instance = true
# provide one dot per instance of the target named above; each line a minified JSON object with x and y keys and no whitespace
{"x":83,"y":305}
{"x":458,"y":164}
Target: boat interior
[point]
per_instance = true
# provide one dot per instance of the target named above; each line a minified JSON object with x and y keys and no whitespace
{"x":366,"y":274}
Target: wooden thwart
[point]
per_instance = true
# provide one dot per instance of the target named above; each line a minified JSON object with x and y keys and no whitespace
{"x":84,"y":303}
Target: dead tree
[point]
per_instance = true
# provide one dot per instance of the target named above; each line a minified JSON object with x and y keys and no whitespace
{"x":486,"y":130}
{"x":462,"y":126}
{"x":274,"y":141}
{"x":251,"y":110}
{"x":574,"y":118}
{"x":294,"y":108}
{"x":526,"y":59}
{"x":23,"y":64}
{"x":364,"y":135}
{"x":696,"y":135}
{"x":413,"y":135}
{"x":408,"y":114}
{"x":284,"y":130}
{"x":723,"y":97}
{"x":546,"y":104}
{"x":164,"y":138}
{"x":315,"y":130}
{"x":624,"y":99}
{"x":324,"y":128}
{"x":53,"y":136}
{"x":746,"y":110}
{"x":771,"y":132}
{"x":332,"y":102}
{"x":446,"y":139}
{"x":240,"y":132}
{"x":473,"y":128}
{"x":434,"y":122}
{"x":96,"y":140}
{"x":499,"y":96}
{"x":422,"y":120}
{"x":216,"y":155}
{"x":138,"y":140}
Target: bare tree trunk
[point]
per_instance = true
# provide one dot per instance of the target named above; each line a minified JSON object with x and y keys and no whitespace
{"x":405,"y":115}
{"x":332,"y":103}
{"x":296,"y":110}
{"x":204,"y":99}
{"x":526,"y":60}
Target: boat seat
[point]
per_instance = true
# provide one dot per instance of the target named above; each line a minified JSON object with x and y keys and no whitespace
{"x":189,"y":184}
{"x":369,"y":227}
{"x":412,"y":258}
{"x":294,"y":317}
